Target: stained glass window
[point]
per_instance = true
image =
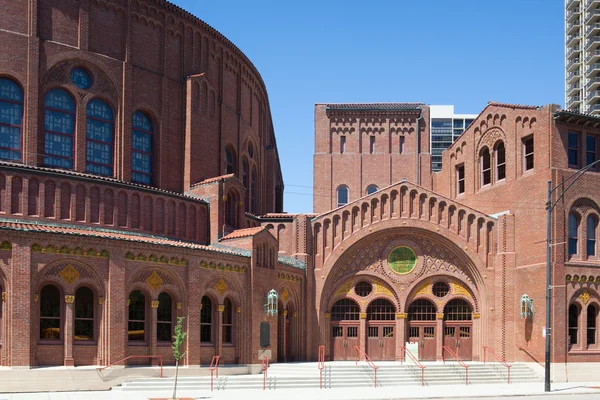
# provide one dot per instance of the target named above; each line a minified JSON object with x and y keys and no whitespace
{"x":99,"y":133}
{"x":141,"y":157}
{"x":81,"y":78}
{"x":11,"y":120}
{"x":59,"y":129}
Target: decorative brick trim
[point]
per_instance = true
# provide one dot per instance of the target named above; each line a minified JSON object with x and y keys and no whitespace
{"x":69,"y":299}
{"x":154,"y":303}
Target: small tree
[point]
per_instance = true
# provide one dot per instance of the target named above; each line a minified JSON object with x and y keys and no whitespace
{"x":178,"y":340}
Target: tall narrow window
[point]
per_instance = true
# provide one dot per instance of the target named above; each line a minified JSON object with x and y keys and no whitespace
{"x":84,"y":314}
{"x":11,"y":120}
{"x":372,"y":189}
{"x":573,"y":234}
{"x":460,"y":178}
{"x":591,"y":227}
{"x":528,"y":153}
{"x":500,"y":162}
{"x":573,"y":151}
{"x":50,"y":313}
{"x":136,"y":327}
{"x":227,"y":322}
{"x":141,"y":149}
{"x":371,"y":144}
{"x":100,"y":136}
{"x":229,"y":161}
{"x":164,"y":318}
{"x":254,"y":185}
{"x":486,"y":167}
{"x":342,"y":195}
{"x":59,"y":129}
{"x":342,"y":144}
{"x":401,"y":150}
{"x":592,"y":316}
{"x":591,"y":148}
{"x":206,"y":320}
{"x":573,"y":324}
{"x":246,"y":181}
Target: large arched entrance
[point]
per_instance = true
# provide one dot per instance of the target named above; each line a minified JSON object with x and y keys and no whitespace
{"x":422,"y":328}
{"x":345,"y":329}
{"x":381,"y":323}
{"x":458,"y":328}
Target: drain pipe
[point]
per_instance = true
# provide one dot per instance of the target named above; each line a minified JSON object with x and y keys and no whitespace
{"x":418,"y":150}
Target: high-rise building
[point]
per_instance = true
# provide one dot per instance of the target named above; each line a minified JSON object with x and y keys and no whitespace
{"x":446,"y":127}
{"x":582,"y":55}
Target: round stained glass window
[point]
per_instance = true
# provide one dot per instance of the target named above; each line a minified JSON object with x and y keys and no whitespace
{"x":402,"y":260}
{"x":81,"y":78}
{"x":363,"y":289}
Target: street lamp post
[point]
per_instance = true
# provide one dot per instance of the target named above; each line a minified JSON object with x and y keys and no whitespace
{"x":549,"y":207}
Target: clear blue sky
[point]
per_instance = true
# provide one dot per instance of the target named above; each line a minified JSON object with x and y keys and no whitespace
{"x":461,"y":52}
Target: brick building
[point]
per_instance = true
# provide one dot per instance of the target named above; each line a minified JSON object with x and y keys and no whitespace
{"x":140,"y":182}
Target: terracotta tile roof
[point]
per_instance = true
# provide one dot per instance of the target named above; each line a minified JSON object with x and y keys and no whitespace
{"x":374,"y":106}
{"x":520,"y":106}
{"x":282,"y":216}
{"x":62,"y":173}
{"x":239,"y":233}
{"x":215,"y":179}
{"x":113,"y":234}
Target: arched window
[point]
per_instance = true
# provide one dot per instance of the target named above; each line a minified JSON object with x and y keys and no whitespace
{"x":592,"y":317}
{"x":100,"y":138}
{"x":136,"y":327}
{"x":11,"y":119}
{"x":573,"y":324}
{"x":246,"y":181}
{"x":141,"y":149}
{"x":50,"y":313}
{"x":500,"y":162}
{"x":573,"y":233}
{"x":84,"y":314}
{"x":381,"y":310}
{"x":229,"y":161}
{"x":164,"y":318}
{"x":345,"y":310}
{"x":421,"y":310}
{"x":372,"y":189}
{"x":254,"y":185}
{"x":231,"y":209}
{"x":458,"y":310}
{"x":59,"y":129}
{"x":486,"y":167}
{"x":227,"y":321}
{"x":342,"y":195}
{"x":206,"y":320}
{"x":592,"y":225}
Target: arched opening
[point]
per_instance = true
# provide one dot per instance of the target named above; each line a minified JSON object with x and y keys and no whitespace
{"x":164,"y":318}
{"x":458,"y":325}
{"x":381,"y":323}
{"x":84,"y":314}
{"x":50,"y":306}
{"x":591,"y":227}
{"x":206,"y":313}
{"x":345,"y":327}
{"x":372,"y":189}
{"x":573,"y":325}
{"x":592,"y":318}
{"x":136,"y":327}
{"x":342,"y":195}
{"x":573,"y":231}
{"x":422,"y":328}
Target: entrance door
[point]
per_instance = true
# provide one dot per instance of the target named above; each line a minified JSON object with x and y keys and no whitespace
{"x":345,"y":337}
{"x":458,"y":338}
{"x":424,"y":335}
{"x":380,"y":341}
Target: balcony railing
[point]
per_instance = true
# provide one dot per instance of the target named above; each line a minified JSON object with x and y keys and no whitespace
{"x":591,"y":3}
{"x":573,"y":26}
{"x":572,"y":13}
{"x":575,"y":61}
{"x":592,"y":82}
{"x":592,"y":28}
{"x":592,"y":67}
{"x":572,"y":3}
{"x":593,"y":40}
{"x":594,"y":108}
{"x":572,"y":38}
{"x":591,"y":15}
{"x":593,"y":94}
{"x":592,"y":55}
{"x":572,"y":89}
{"x":572,"y":50}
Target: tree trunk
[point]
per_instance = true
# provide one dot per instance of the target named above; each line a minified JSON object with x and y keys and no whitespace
{"x":176,"y":373}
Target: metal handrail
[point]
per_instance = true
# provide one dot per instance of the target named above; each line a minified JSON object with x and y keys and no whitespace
{"x":404,"y":350}
{"x":214,"y":366}
{"x":321,"y":365}
{"x":458,"y":359}
{"x":265,"y":367}
{"x":485,"y":350}
{"x":127,"y":358}
{"x":368,"y":361}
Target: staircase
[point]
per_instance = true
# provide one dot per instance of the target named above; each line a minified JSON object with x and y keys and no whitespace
{"x":344,"y":375}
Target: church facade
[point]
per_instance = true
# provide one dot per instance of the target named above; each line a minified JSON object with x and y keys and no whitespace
{"x":140,"y":182}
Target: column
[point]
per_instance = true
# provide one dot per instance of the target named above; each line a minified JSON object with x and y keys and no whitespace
{"x":285,"y":334}
{"x":19,"y":309}
{"x":363,"y":334}
{"x":439,"y":336}
{"x":68,"y":332}
{"x":325,"y":335}
{"x":219,"y":330}
{"x":194,"y":306}
{"x":117,"y":311}
{"x":152,"y":330}
{"x":476,"y":337}
{"x":401,"y":334}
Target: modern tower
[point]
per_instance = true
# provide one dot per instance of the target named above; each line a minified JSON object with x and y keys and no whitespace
{"x":446,"y":127}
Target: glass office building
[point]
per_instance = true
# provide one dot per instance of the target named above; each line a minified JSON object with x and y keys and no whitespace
{"x":446,"y":127}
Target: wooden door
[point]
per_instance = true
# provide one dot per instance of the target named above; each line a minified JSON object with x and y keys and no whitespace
{"x":458,"y":338}
{"x":344,"y":338}
{"x":380,"y":341}
{"x":424,"y":335}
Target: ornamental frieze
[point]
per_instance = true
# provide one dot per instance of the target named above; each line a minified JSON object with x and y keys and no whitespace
{"x":77,"y":251}
{"x":226,"y":268}
{"x":154,"y":258}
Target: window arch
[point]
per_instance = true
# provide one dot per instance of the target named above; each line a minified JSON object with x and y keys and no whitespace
{"x":486,"y":167}
{"x":50,"y":306}
{"x":227,"y":322}
{"x":231,"y":209}
{"x":230,"y":162}
{"x":342,"y":195}
{"x":136,"y":327}
{"x":345,"y":309}
{"x":372,"y":189}
{"x":573,"y":324}
{"x":592,"y":318}
{"x":500,"y":161}
{"x":381,"y":310}
{"x":458,"y":310}
{"x":421,"y":310}
{"x":164,"y":318}
{"x":11,"y":119}
{"x":99,"y":138}
{"x":591,"y":227}
{"x":142,"y":149}
{"x":573,"y":231}
{"x":59,"y":129}
{"x":206,"y":320}
{"x":84,"y":314}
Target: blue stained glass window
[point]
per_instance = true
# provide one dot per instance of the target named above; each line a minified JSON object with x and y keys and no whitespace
{"x":11,"y":120}
{"x":141,"y":157}
{"x":81,"y":78}
{"x":99,"y":133}
{"x":59,"y":128}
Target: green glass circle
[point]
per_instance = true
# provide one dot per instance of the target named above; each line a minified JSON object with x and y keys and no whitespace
{"x":402,"y":260}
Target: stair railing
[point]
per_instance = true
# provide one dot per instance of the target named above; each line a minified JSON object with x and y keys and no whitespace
{"x":321,"y":365}
{"x":497,"y":357}
{"x":214,"y":366}
{"x":265,"y":368}
{"x":458,"y":359}
{"x":404,"y":351}
{"x":127,"y":358}
{"x":368,"y":360}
